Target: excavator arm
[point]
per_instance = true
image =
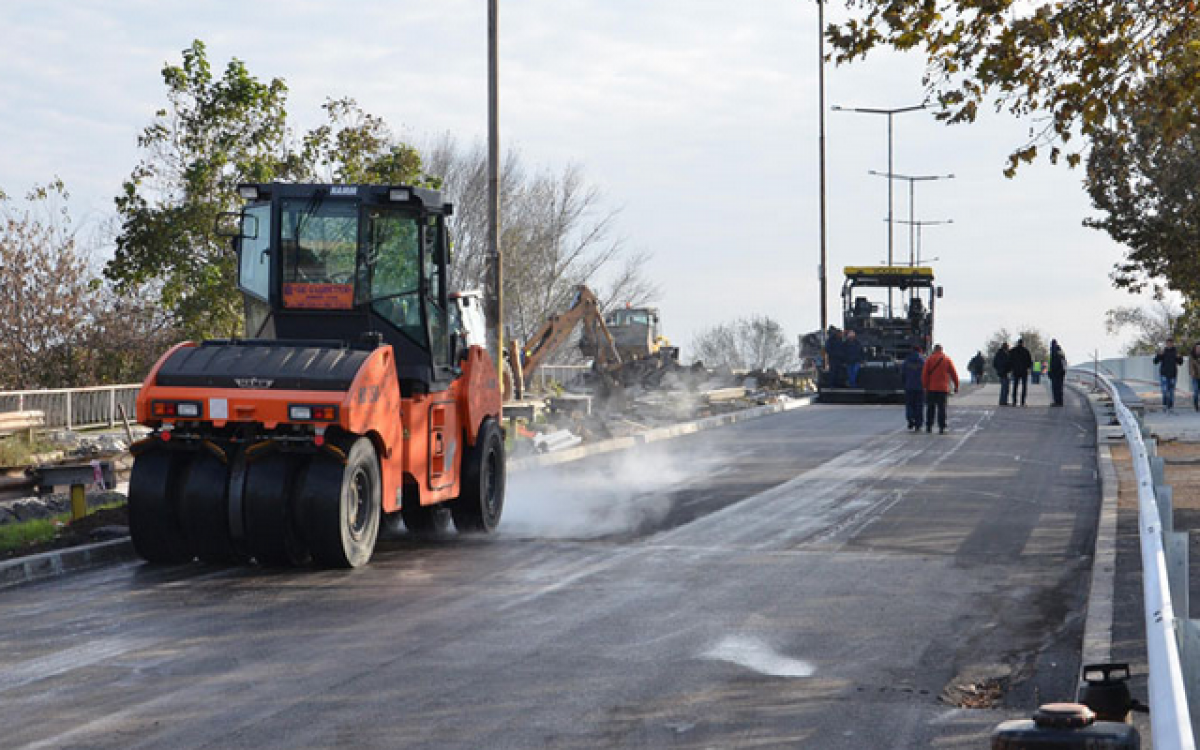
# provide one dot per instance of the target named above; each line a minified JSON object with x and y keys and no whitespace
{"x":596,"y":340}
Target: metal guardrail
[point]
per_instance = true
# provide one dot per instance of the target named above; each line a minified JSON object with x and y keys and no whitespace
{"x":1171,"y":642}
{"x":75,"y":408}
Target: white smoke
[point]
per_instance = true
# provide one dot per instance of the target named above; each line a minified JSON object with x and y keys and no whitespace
{"x":608,"y":495}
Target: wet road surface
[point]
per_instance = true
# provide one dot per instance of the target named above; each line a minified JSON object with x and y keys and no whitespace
{"x":819,"y":578}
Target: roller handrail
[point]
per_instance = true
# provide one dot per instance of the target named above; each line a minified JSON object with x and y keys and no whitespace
{"x":1170,"y":720}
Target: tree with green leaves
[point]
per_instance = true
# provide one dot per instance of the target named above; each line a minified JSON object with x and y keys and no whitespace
{"x":1079,"y":66}
{"x":1148,"y":187}
{"x":215,"y":133}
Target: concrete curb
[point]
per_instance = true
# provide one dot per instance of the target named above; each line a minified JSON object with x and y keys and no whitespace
{"x":59,"y":562}
{"x":1097,"y":629}
{"x":655,"y":435}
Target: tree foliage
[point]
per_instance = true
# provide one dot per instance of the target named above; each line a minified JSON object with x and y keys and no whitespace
{"x":215,"y":133}
{"x":59,"y":325}
{"x":1148,"y":187}
{"x":757,"y":342}
{"x":1153,"y":324}
{"x":1080,"y":65}
{"x":1035,"y":341}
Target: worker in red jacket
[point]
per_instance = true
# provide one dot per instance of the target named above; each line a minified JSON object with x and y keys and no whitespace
{"x":937,"y":377}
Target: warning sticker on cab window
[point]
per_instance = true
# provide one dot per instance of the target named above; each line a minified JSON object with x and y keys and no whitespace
{"x":319,"y":296}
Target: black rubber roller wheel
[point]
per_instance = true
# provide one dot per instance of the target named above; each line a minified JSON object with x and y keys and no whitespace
{"x":153,"y":517}
{"x":271,"y":531}
{"x":341,"y":507}
{"x":204,"y":510}
{"x":477,"y":509}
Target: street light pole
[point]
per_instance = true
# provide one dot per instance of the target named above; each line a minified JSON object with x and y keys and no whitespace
{"x":890,"y":114}
{"x":494,"y":183}
{"x":821,"y":121}
{"x":912,"y":180}
{"x":919,"y":225}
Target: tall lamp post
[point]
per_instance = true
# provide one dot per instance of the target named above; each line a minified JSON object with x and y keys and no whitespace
{"x":912,"y":180}
{"x":494,"y":183}
{"x":890,"y":114}
{"x":821,"y":125}
{"x":919,"y":225}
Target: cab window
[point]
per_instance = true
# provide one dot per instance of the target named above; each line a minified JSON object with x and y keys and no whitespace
{"x":254,"y":264}
{"x":394,"y":260}
{"x":319,"y":242}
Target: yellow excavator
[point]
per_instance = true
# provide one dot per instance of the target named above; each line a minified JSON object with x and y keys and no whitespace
{"x":624,"y":345}
{"x":595,"y":341}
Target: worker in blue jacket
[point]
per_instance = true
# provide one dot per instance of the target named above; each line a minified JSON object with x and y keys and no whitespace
{"x":914,"y":392}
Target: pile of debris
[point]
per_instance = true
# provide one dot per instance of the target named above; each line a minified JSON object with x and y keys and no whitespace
{"x":591,"y":409}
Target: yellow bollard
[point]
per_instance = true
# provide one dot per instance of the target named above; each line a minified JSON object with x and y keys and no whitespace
{"x":78,"y":502}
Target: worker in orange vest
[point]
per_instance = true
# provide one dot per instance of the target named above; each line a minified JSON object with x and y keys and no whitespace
{"x":937,"y":377}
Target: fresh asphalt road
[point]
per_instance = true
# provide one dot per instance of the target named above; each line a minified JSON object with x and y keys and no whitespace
{"x":819,"y":578}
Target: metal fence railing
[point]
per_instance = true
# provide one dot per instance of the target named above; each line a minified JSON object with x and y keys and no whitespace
{"x":1172,"y":642}
{"x":75,"y":408}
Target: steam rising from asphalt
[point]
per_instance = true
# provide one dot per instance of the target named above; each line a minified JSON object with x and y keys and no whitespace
{"x":621,"y":494}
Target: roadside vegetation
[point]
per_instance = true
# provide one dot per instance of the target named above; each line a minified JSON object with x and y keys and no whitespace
{"x":40,"y":534}
{"x":19,"y":451}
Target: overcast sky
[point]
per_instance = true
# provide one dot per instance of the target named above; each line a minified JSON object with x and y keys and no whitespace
{"x":696,"y":118}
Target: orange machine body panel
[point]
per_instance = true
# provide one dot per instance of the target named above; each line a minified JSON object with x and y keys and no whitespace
{"x":421,"y":437}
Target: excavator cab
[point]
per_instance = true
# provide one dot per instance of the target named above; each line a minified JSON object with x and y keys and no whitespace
{"x":355,"y":264}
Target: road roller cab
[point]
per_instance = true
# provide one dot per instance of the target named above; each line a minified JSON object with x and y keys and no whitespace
{"x":355,"y":402}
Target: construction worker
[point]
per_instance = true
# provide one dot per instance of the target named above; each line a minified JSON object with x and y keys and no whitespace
{"x":914,"y":389}
{"x":1001,"y":364}
{"x":1035,"y":375}
{"x":938,"y":376}
{"x":852,"y":352}
{"x":1057,"y":371}
{"x":976,"y":367}
{"x":833,"y":356}
{"x":1020,"y":362}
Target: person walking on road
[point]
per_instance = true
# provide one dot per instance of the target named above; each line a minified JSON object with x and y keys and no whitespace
{"x":937,"y":377}
{"x":1000,"y":363}
{"x":852,"y":353}
{"x":976,"y":367}
{"x":1035,"y":375}
{"x":1057,"y":371}
{"x":1020,"y":361}
{"x":914,"y":390}
{"x":1194,"y":372}
{"x":1168,"y":361}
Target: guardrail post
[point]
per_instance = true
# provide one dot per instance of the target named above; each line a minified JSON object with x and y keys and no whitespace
{"x":112,"y":407}
{"x":1164,"y":496}
{"x":68,"y":395}
{"x":1188,"y":633}
{"x":1157,"y":467}
{"x":1175,"y":547}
